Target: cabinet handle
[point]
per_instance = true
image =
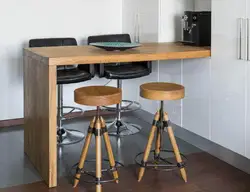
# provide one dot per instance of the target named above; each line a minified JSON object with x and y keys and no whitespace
{"x":240,"y":20}
{"x":248,"y":39}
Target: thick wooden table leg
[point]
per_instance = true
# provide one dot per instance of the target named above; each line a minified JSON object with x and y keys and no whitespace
{"x":84,"y":151}
{"x":98,"y":156}
{"x":175,"y":147}
{"x":148,"y":147}
{"x":109,"y":150}
{"x":40,"y":142}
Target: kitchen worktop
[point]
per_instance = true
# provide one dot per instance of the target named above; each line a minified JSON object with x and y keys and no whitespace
{"x":69,"y":55}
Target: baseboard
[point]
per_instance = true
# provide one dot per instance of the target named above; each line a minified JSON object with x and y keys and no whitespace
{"x":204,"y":144}
{"x":11,"y":122}
{"x":20,"y":121}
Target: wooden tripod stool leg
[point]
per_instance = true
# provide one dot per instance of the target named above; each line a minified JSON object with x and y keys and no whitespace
{"x":98,"y":155}
{"x":158,"y":143}
{"x":84,"y":151}
{"x":109,"y":150}
{"x":175,"y":148}
{"x":148,"y":147}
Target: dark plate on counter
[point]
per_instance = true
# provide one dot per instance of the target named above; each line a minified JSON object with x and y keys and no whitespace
{"x":115,"y":46}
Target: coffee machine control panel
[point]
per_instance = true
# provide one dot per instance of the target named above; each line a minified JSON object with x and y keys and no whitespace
{"x":187,"y":25}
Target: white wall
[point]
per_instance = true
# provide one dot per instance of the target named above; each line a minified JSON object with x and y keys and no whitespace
{"x":170,"y":13}
{"x":26,"y":19}
{"x":203,"y":5}
{"x":148,"y":18}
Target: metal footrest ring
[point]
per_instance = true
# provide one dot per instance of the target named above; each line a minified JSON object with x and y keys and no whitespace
{"x":125,"y":128}
{"x":69,"y":115}
{"x":69,"y":136}
{"x":160,"y":163}
{"x":92,"y":173}
{"x":126,"y":106}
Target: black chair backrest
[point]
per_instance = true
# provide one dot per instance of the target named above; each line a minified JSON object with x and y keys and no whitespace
{"x":51,"y":42}
{"x":110,"y":38}
{"x":67,"y":41}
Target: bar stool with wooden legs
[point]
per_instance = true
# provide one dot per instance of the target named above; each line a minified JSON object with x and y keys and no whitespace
{"x":97,"y":96}
{"x":161,"y":91}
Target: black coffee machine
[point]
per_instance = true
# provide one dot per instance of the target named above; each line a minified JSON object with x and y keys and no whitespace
{"x":196,"y":26}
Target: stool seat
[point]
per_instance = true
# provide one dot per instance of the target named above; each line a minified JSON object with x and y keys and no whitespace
{"x":98,"y":95}
{"x":162,"y":91}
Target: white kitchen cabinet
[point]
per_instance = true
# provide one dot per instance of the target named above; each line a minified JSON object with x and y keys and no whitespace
{"x":247,"y":142}
{"x":228,"y":76}
{"x":196,"y":104}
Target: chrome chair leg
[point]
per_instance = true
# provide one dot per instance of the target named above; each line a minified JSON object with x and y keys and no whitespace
{"x":65,"y":136}
{"x":119,"y":127}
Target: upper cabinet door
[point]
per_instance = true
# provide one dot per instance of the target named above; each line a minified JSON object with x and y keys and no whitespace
{"x":248,"y":84}
{"x":226,"y":27}
{"x":228,"y":75}
{"x":248,"y":30}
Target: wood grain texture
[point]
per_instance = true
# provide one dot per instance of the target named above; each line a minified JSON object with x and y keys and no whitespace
{"x":84,"y":152}
{"x":175,"y":147}
{"x":40,"y":143}
{"x":69,"y":55}
{"x":98,"y":95}
{"x":98,"y":148}
{"x":109,"y":150}
{"x":148,"y":146}
{"x":162,"y":91}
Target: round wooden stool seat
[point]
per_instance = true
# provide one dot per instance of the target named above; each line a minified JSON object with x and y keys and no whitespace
{"x":98,"y":95}
{"x":162,"y":91}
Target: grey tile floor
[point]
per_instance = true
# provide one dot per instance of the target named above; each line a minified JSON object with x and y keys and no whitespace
{"x":16,"y":169}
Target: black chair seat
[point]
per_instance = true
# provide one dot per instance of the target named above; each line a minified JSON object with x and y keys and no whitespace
{"x":72,"y":76}
{"x":122,"y":70}
{"x":126,"y":71}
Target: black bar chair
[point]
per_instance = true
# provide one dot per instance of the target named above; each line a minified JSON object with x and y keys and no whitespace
{"x":119,"y":72}
{"x":66,"y":75}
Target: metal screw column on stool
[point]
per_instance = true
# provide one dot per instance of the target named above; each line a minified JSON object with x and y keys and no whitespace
{"x":159,"y":133}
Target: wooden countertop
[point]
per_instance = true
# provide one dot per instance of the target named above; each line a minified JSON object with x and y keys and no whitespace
{"x":68,"y":55}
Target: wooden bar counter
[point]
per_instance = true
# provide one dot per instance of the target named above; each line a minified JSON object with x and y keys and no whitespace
{"x":40,"y":64}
